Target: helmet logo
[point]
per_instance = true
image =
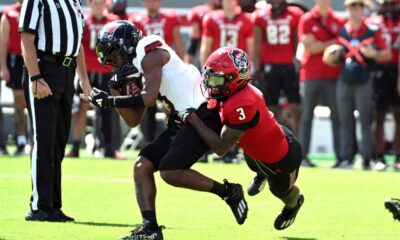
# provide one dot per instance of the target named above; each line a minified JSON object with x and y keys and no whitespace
{"x":241,"y":62}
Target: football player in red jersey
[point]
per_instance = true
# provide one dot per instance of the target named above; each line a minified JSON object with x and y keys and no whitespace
{"x":11,"y":71}
{"x":195,"y":18}
{"x":387,"y":82}
{"x":227,"y":27}
{"x":270,"y":150}
{"x":162,"y":23}
{"x":275,"y":43}
{"x":99,"y":76}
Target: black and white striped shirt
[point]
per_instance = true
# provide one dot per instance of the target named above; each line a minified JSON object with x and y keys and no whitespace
{"x":58,"y":25}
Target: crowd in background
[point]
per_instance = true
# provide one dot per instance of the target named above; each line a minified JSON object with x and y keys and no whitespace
{"x":300,"y":58}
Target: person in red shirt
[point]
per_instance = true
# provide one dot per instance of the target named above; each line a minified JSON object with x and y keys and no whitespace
{"x":387,"y":83}
{"x":362,"y":44}
{"x":99,"y":76}
{"x":118,"y":7}
{"x":12,"y":63}
{"x":195,"y":18}
{"x":163,"y":23}
{"x":227,"y":27}
{"x":317,"y":30}
{"x":270,"y":150}
{"x":275,"y":43}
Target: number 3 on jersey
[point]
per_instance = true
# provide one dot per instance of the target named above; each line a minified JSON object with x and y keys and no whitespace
{"x":242,"y":115}
{"x":278,"y":34}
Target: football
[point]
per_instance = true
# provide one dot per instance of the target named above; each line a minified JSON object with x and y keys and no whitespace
{"x":333,"y":55}
{"x":131,"y":87}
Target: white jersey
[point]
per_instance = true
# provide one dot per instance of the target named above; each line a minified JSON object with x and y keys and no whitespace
{"x":180,"y":83}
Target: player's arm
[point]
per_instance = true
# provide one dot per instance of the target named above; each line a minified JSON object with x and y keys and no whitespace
{"x":82,"y":74}
{"x":205,"y":49}
{"x":194,"y":41}
{"x":132,"y":117}
{"x":178,"y":42}
{"x":313,"y":46}
{"x":5,"y":35}
{"x":218,"y":144}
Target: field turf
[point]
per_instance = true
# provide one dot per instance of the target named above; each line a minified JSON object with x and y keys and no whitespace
{"x":99,"y":194}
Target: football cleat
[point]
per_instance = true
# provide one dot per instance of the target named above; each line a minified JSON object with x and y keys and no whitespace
{"x":393,"y":206}
{"x":236,"y":201}
{"x":257,"y":184}
{"x":288,"y":215}
{"x":42,"y":216}
{"x":143,"y":232}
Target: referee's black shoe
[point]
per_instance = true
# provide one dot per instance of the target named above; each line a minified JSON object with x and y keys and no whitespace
{"x":62,"y":216}
{"x":42,"y":215}
{"x":288,"y":215}
{"x":144,"y":232}
{"x":257,"y":184}
{"x":236,"y":201}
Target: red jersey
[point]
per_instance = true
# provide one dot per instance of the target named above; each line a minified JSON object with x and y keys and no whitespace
{"x":278,"y":44}
{"x":312,"y":67}
{"x":163,"y":25}
{"x":379,"y":40}
{"x":263,"y":138}
{"x":197,"y":14}
{"x":391,"y":32}
{"x":14,"y":41}
{"x":89,"y":41}
{"x":227,"y":32}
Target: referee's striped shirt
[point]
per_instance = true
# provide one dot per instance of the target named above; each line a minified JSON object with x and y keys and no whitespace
{"x":57,"y":24}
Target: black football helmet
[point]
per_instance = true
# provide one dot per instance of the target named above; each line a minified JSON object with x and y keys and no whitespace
{"x":277,"y":6}
{"x":121,"y":36}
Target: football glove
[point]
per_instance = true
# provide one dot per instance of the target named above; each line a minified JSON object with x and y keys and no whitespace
{"x":99,"y":98}
{"x":126,"y":73}
{"x":184,"y":115}
{"x":174,"y":123}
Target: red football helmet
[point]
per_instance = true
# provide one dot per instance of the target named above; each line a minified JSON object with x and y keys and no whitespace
{"x":226,"y":71}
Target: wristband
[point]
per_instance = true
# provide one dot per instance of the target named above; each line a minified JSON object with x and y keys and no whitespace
{"x":134,"y":101}
{"x":36,"y":77}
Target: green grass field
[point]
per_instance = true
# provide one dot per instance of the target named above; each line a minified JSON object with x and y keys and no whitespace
{"x":339,"y":204}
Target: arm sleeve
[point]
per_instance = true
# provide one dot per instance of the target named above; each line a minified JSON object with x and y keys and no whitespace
{"x":241,"y":117}
{"x":29,"y":17}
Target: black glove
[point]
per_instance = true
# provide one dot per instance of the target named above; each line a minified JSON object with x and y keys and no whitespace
{"x":174,"y":123}
{"x":99,"y":98}
{"x":126,"y":73}
{"x":184,"y":115}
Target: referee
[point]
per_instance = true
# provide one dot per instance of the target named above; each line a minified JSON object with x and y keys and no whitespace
{"x":51,"y":32}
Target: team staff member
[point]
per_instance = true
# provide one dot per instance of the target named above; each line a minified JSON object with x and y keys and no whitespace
{"x":318,"y":29}
{"x":51,"y":33}
{"x":227,"y":27}
{"x":275,"y":42}
{"x":11,"y":63}
{"x":271,"y":151}
{"x":195,"y":18}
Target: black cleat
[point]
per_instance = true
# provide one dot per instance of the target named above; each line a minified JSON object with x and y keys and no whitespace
{"x":143,"y":232}
{"x":62,"y":216}
{"x":20,"y":150}
{"x":42,"y":215}
{"x":257,"y":184}
{"x":393,"y":206}
{"x":288,"y":215}
{"x":307,"y":163}
{"x":236,"y":201}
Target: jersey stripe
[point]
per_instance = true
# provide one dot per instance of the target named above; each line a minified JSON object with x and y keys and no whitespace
{"x":152,"y":46}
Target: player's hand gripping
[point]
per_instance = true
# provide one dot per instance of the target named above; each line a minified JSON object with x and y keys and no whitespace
{"x":186,"y":114}
{"x":126,"y":73}
{"x":99,"y":98}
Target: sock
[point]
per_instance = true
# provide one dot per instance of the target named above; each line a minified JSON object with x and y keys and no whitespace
{"x":221,"y":190}
{"x":76,"y":144}
{"x":21,"y":140}
{"x":150,"y":216}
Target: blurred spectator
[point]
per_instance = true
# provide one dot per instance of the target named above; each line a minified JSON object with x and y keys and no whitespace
{"x":118,"y":7}
{"x":386,"y":82}
{"x":360,"y":44}
{"x":275,"y":42}
{"x":165,"y":24}
{"x":317,"y":30}
{"x":107,"y":121}
{"x":227,"y":27}
{"x":12,"y":63}
{"x":248,"y":6}
{"x":195,"y":18}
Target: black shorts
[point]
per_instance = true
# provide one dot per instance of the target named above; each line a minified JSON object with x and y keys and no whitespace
{"x":97,"y":80}
{"x":15,"y":64}
{"x":174,"y":151}
{"x":283,"y":174}
{"x":385,"y":87}
{"x":280,"y":77}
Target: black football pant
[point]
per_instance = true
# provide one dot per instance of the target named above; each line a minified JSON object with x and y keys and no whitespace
{"x":50,"y":120}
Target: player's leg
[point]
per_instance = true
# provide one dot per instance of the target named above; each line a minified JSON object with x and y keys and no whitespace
{"x":257,"y":184}
{"x":145,"y":187}
{"x":20,"y":120}
{"x":292,"y":92}
{"x":396,"y":114}
{"x":272,"y":90}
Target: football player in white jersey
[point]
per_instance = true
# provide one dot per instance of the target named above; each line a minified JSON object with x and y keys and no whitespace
{"x":177,"y":85}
